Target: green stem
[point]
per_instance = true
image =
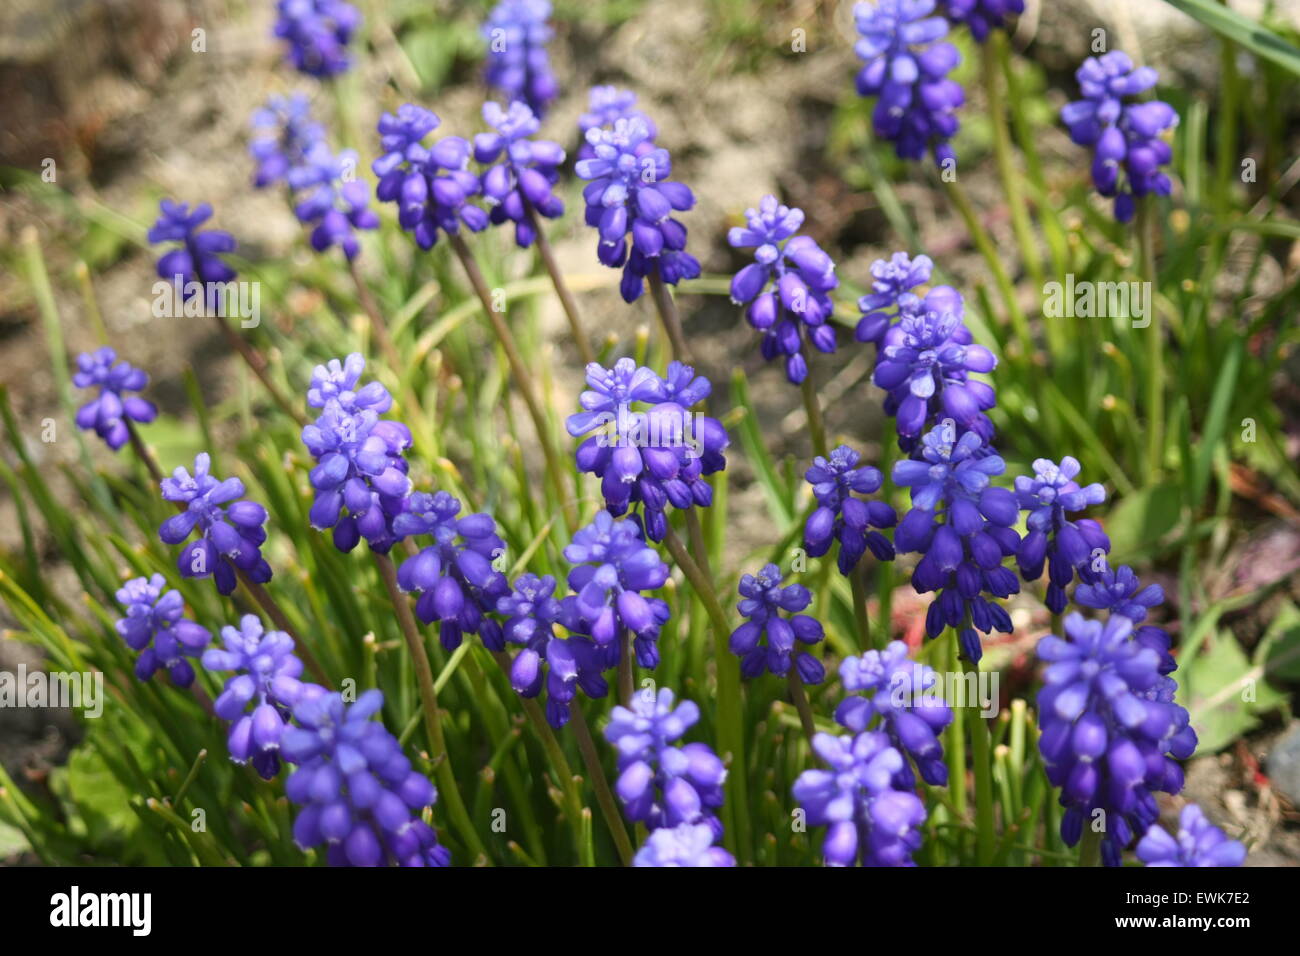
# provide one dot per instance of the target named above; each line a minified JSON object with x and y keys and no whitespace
{"x":450,"y":792}
{"x":1155,"y":370}
{"x":626,"y":665}
{"x":982,"y":764}
{"x":863,"y":637}
{"x":816,"y":424}
{"x":604,"y":796}
{"x":567,"y":300}
{"x":670,"y":318}
{"x":1090,"y":846}
{"x":955,"y":744}
{"x":801,"y":703}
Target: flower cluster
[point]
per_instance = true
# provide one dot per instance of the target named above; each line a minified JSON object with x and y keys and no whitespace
{"x":661,"y":785}
{"x":360,"y":479}
{"x":906,"y":69}
{"x":521,"y":171}
{"x":786,"y":289}
{"x":1111,"y":732}
{"x":153,"y":626}
{"x":870,"y":818}
{"x":652,"y":457}
{"x":431,"y":185}
{"x":687,"y":844}
{"x":110,"y":413}
{"x":1198,"y":843}
{"x":283,"y":134}
{"x":762,"y":601}
{"x":1050,"y":496}
{"x":230,"y":531}
{"x":1120,"y":592}
{"x":332,"y":200}
{"x":1126,"y":136}
{"x":317,"y":33}
{"x":517,"y":65}
{"x":606,"y":105}
{"x":630,"y":201}
{"x":358,"y":791}
{"x":198,"y":259}
{"x":839,"y":516}
{"x":963,"y":528}
{"x":266,"y":676}
{"x":892,"y":294}
{"x":983,"y":16}
{"x":454,"y":575}
{"x":904,"y":699}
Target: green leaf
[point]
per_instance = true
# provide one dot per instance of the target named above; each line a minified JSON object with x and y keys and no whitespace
{"x":1240,"y":29}
{"x":1224,"y":693}
{"x":1140,"y":520}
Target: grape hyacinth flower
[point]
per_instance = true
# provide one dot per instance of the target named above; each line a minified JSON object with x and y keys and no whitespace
{"x":230,"y":531}
{"x":656,"y":456}
{"x":518,"y":65}
{"x":763,"y":600}
{"x":109,"y":413}
{"x":1126,"y":136}
{"x":613,"y":566}
{"x":358,"y":791}
{"x":787,"y":287}
{"x":454,"y":576}
{"x":521,"y":171}
{"x":283,"y":134}
{"x":840,"y":516}
{"x":1120,"y":592}
{"x":924,"y":365}
{"x":687,"y":844}
{"x":317,"y":33}
{"x":153,"y":626}
{"x":196,"y":266}
{"x":983,"y":16}
{"x":661,"y":785}
{"x":1111,"y":732}
{"x":561,"y":665}
{"x":904,"y":699}
{"x":334,"y":202}
{"x":906,"y":69}
{"x":1050,"y":496}
{"x":360,"y":479}
{"x":431,"y":185}
{"x":267,"y":673}
{"x":1198,"y":843}
{"x":629,"y":194}
{"x":892,"y":294}
{"x":962,"y":527}
{"x":606,"y":105}
{"x":870,"y":818}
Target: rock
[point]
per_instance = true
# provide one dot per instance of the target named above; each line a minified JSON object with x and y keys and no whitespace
{"x":1283,"y":765}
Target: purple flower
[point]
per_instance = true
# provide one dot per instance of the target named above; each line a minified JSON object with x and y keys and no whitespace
{"x":522,"y":171}
{"x":839,"y":516}
{"x":1120,"y":592}
{"x":1050,"y":496}
{"x":517,"y":65}
{"x":906,"y":69}
{"x":892,"y":283}
{"x":153,"y":626}
{"x":317,"y":33}
{"x":661,"y":785}
{"x":198,"y":259}
{"x":360,"y":478}
{"x":962,"y":527}
{"x":335,"y":202}
{"x":613,"y":566}
{"x":766,"y":641}
{"x":267,"y":677}
{"x":1126,"y":136}
{"x":656,"y":456}
{"x":629,"y":194}
{"x":870,"y":819}
{"x":431,"y":185}
{"x":787,"y":286}
{"x":358,"y":791}
{"x":904,"y":699}
{"x":1111,"y":732}
{"x":230,"y":531}
{"x":283,"y":134}
{"x":687,"y":844}
{"x":454,"y":575}
{"x":109,"y":413}
{"x":983,"y":16}
{"x":606,"y":105}
{"x":1199,"y":843}
{"x":924,"y":364}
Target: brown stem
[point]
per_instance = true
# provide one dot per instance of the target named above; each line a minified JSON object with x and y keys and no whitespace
{"x":626,"y":676}
{"x":142,"y":452}
{"x":377,"y":323}
{"x":604,"y":796}
{"x":801,"y":703}
{"x":272,"y":610}
{"x":257,"y":363}
{"x":671,"y":319}
{"x":561,"y":287}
